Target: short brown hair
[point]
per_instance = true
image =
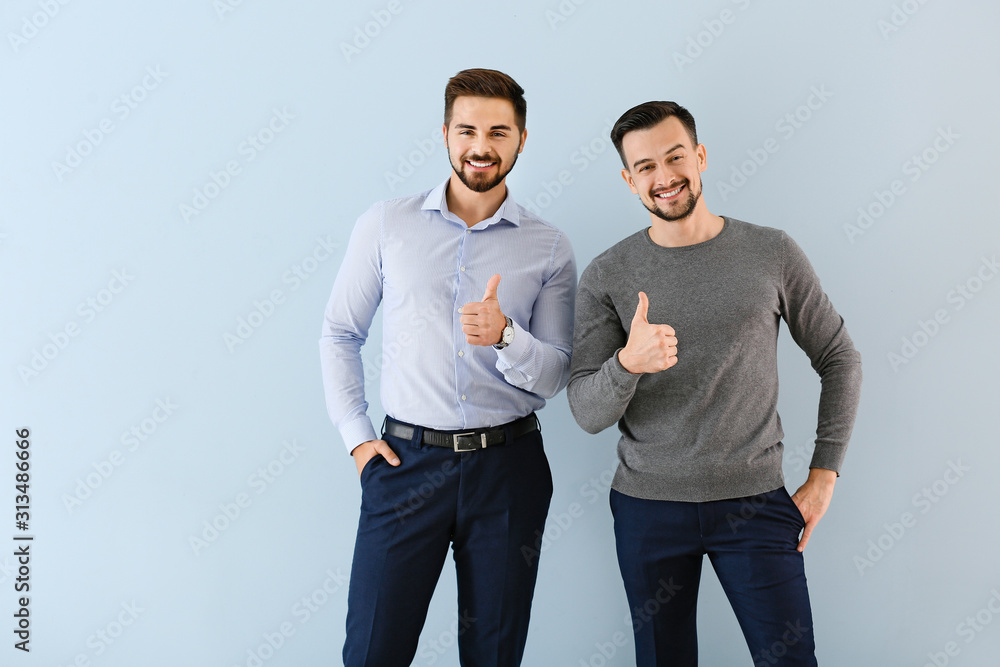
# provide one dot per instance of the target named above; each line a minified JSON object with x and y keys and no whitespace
{"x":645,"y":116}
{"x":485,"y":83}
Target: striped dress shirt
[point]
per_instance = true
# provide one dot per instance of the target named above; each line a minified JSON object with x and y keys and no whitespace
{"x":424,"y":263}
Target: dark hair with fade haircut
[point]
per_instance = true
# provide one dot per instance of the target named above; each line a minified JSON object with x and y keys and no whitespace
{"x":645,"y":116}
{"x":485,"y":83}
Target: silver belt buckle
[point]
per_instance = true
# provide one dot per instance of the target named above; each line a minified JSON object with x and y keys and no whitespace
{"x":456,"y":440}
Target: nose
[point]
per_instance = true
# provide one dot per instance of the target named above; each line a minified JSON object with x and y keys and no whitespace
{"x":663,"y":179}
{"x":670,"y":178}
{"x":482,"y":145}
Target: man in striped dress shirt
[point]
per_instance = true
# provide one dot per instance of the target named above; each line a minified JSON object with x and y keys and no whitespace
{"x":478,"y":298}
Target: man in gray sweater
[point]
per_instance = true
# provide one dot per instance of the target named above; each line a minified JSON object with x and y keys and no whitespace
{"x":675,"y":340}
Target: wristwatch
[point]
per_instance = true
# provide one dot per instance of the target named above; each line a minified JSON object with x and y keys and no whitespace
{"x":507,"y":337}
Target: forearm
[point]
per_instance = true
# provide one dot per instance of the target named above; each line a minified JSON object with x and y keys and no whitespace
{"x":822,"y":477}
{"x":535,"y":365}
{"x":344,"y":389}
{"x":838,"y":407}
{"x":598,"y":399}
{"x":538,"y":359}
{"x":821,"y":333}
{"x":356,"y":294}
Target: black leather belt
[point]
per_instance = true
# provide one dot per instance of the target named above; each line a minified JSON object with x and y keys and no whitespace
{"x":465,"y":441}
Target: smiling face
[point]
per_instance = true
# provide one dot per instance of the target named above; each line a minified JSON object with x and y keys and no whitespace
{"x":664,"y":169}
{"x":483,"y":141}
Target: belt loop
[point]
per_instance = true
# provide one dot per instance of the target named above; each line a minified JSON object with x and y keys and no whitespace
{"x":418,"y":437}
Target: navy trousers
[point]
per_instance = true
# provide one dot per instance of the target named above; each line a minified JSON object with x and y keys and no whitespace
{"x":490,"y":507}
{"x":751,"y":543}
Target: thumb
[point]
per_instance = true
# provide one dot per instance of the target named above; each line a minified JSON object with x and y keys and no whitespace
{"x":382,"y":447}
{"x":491,"y":288}
{"x":642,"y":309}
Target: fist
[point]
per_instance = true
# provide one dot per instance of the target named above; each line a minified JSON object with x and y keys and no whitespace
{"x":482,"y":321}
{"x":651,"y":348}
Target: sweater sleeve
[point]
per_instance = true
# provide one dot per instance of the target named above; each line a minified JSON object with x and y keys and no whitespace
{"x":819,"y":330}
{"x":599,"y":388}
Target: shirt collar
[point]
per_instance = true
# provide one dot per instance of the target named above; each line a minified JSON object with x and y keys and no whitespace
{"x":437,"y":201}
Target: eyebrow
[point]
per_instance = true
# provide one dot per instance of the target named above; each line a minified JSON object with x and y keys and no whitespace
{"x":647,"y":159}
{"x":465,"y":126}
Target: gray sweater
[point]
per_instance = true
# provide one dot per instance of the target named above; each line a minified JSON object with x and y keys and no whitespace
{"x":708,"y":428}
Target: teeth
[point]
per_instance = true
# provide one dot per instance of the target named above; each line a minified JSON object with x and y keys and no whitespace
{"x":480,"y":165}
{"x":664,"y":195}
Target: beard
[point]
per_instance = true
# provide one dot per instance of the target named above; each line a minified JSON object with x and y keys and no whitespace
{"x":683,"y":208}
{"x":481,"y":182}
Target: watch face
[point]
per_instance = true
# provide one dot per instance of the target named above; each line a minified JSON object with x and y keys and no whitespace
{"x":508,"y":335}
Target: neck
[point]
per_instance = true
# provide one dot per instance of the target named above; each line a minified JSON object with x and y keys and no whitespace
{"x":698,"y":227}
{"x":473,"y":207}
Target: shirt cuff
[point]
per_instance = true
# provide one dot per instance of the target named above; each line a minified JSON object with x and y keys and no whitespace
{"x":357,"y":431}
{"x":519,"y":349}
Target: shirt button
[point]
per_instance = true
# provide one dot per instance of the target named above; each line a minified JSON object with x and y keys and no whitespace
{"x":463,"y":397}
{"x":461,"y":353}
{"x":468,"y":231}
{"x":463,"y":268}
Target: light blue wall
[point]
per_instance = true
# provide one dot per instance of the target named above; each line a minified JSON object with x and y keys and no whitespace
{"x":198,"y":80}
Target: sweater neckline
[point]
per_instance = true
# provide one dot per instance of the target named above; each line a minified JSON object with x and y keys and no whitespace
{"x":726,"y":224}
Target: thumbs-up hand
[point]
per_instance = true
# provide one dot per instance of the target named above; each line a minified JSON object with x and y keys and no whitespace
{"x":651,"y":348}
{"x":482,"y":321}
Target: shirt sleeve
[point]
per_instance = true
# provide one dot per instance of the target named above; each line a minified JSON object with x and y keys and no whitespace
{"x":357,"y":292}
{"x":600,"y":388}
{"x":537,"y":360}
{"x":819,"y":330}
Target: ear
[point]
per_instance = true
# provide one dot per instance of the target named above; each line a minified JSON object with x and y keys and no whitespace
{"x":627,"y":175}
{"x":524,"y":137}
{"x":702,"y":157}
{"x":444,"y":131}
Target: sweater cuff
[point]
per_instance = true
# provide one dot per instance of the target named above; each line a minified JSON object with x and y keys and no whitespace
{"x":619,"y":376}
{"x":830,"y":457}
